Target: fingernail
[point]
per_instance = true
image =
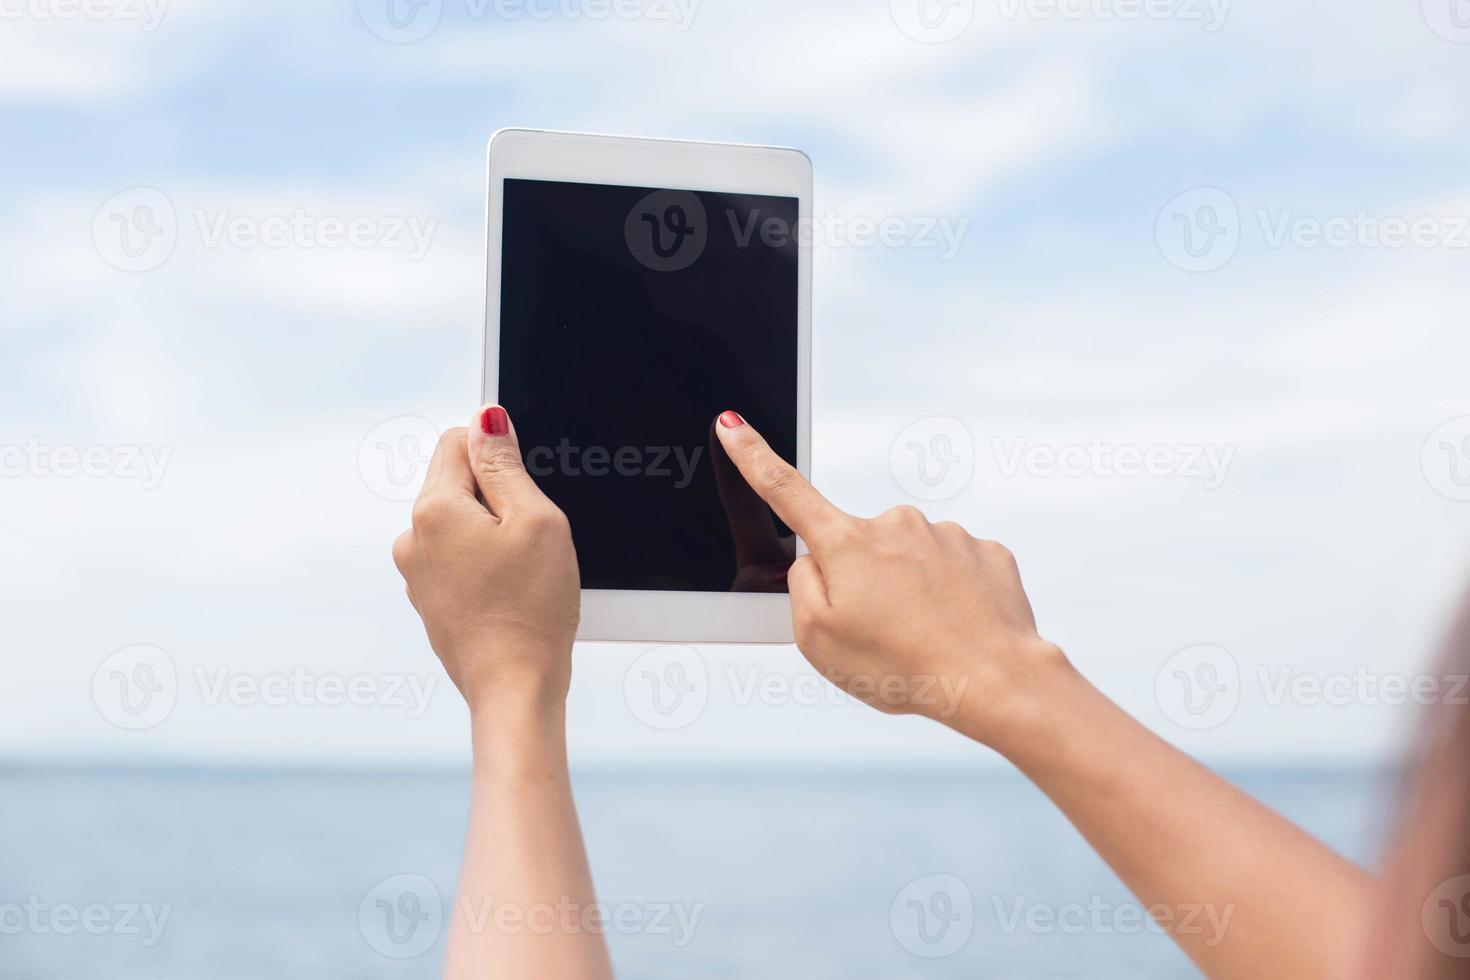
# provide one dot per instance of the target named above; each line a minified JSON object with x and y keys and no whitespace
{"x":494,"y":421}
{"x":731,"y":420}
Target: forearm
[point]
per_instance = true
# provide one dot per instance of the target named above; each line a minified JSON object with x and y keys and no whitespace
{"x":526,"y":907}
{"x":1264,"y":898}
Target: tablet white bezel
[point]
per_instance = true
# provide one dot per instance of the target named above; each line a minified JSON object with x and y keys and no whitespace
{"x":663,"y":617}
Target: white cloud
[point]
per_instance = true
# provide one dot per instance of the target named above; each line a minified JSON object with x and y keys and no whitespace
{"x":263,"y":369}
{"x":52,"y":51}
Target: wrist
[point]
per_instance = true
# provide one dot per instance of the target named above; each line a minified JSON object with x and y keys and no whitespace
{"x":515,"y":694}
{"x":521,"y":699}
{"x":1028,"y":708}
{"x":509,"y":673}
{"x":521,"y":731}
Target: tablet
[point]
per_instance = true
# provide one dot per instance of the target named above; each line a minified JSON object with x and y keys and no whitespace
{"x":636,"y":289}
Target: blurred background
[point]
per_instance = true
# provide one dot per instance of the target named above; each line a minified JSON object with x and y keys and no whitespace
{"x":1168,"y":296}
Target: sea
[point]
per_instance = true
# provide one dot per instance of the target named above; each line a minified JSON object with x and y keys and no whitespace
{"x":203,"y":874}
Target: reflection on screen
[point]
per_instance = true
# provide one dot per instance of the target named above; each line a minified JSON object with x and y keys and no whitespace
{"x":630,"y":317}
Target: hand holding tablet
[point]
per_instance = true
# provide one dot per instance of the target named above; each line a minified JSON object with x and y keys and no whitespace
{"x":489,"y":567}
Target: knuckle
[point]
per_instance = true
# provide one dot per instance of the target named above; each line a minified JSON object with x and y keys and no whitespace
{"x":778,"y":478}
{"x":951,"y":530}
{"x":403,"y":551}
{"x":812,"y":625}
{"x":906,"y":514}
{"x":546,"y":521}
{"x":996,"y":551}
{"x":498,"y":458}
{"x":849,"y":532}
{"x":430,"y":514}
{"x":454,"y":439}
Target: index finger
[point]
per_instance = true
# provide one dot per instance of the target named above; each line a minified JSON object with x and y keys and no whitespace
{"x":756,"y":540}
{"x":795,"y":501}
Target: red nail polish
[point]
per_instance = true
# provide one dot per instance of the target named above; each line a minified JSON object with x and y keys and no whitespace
{"x":494,"y":421}
{"x":731,"y":420}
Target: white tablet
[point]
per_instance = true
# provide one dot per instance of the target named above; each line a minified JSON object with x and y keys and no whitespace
{"x":636,"y":289}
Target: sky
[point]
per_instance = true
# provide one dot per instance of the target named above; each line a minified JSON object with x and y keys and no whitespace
{"x":1171,"y":302}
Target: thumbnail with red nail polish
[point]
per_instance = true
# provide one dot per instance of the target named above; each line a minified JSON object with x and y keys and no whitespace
{"x":494,"y":421}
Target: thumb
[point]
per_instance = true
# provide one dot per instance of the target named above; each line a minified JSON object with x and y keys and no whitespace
{"x":495,"y":459}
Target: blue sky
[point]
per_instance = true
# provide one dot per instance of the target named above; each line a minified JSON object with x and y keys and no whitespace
{"x":1332,"y":377}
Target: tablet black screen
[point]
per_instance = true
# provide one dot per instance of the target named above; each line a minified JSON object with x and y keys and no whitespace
{"x":630,"y":317}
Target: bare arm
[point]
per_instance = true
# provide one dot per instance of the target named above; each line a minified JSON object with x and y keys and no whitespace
{"x":526,"y":906}
{"x":490,"y":569}
{"x":1243,"y":891}
{"x":914,"y":617}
